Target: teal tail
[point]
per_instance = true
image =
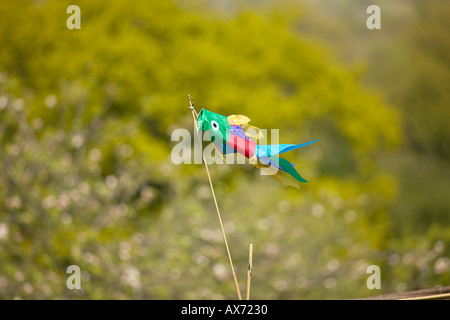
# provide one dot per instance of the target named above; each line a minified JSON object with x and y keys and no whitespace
{"x":284,"y":165}
{"x":289,"y":168}
{"x":268,"y":154}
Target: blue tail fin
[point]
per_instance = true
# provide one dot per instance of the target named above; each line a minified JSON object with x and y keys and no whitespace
{"x":274,"y":149}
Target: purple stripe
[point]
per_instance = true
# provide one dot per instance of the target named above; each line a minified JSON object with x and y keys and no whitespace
{"x":238,"y":131}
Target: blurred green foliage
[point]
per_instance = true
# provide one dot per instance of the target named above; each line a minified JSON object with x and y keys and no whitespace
{"x":87,"y":179}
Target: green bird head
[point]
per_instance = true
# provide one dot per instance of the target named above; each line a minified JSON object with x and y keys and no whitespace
{"x":216,"y":124}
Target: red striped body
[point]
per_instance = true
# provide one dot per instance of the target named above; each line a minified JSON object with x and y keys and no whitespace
{"x":245,"y":147}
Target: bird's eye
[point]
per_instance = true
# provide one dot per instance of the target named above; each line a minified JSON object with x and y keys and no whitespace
{"x":214,"y":125}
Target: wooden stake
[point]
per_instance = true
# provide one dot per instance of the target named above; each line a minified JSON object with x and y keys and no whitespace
{"x":236,"y":283}
{"x":442,"y":296}
{"x":249,"y":271}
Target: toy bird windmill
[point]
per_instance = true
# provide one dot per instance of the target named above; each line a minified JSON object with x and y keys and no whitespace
{"x":233,"y":134}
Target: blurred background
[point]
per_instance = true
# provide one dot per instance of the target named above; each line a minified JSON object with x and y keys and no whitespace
{"x":86,"y":176}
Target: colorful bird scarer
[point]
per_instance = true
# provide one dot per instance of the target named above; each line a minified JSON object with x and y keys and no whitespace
{"x":233,"y":134}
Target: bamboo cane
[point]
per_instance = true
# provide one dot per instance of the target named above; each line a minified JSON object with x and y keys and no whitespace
{"x":249,"y":271}
{"x":236,"y":284}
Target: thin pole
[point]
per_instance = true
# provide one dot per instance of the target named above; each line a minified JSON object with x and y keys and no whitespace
{"x":249,"y":271}
{"x":236,"y":284}
{"x":430,"y":297}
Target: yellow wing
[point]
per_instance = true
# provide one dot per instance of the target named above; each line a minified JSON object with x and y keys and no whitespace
{"x":252,"y":132}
